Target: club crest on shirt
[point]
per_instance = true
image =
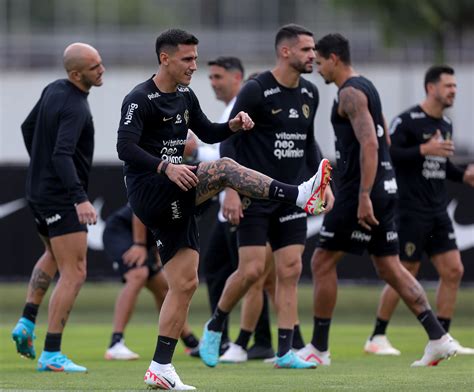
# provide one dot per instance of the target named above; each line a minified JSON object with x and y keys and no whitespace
{"x":305,"y":109}
{"x":410,"y":248}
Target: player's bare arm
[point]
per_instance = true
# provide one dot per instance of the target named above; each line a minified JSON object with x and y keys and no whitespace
{"x":353,"y":105}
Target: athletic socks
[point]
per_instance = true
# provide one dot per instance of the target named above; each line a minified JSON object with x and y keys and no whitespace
{"x":243,"y":338}
{"x":164,"y":350}
{"x":217,"y":321}
{"x":321,"y":333}
{"x":380,"y":327}
{"x":30,"y":311}
{"x":116,"y":337}
{"x":283,"y":192}
{"x":285,"y":338}
{"x":190,"y":341}
{"x":431,"y":325}
{"x":298,"y":342}
{"x":445,"y":323}
{"x":52,"y":342}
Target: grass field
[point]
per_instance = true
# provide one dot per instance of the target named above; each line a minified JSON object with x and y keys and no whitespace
{"x":89,"y":329}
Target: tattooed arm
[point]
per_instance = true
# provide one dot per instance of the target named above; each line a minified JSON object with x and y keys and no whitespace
{"x":353,"y":104}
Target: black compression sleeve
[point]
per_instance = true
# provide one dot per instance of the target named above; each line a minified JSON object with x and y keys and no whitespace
{"x":129,"y":151}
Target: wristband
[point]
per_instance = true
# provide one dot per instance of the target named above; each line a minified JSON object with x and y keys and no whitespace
{"x":164,"y":165}
{"x":139,"y":244}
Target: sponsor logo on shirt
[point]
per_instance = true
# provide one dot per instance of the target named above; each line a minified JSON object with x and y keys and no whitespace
{"x":179,"y":119}
{"x":380,"y":130}
{"x":393,"y":126}
{"x":387,"y":165}
{"x":153,"y":95}
{"x":293,"y":113}
{"x":183,"y":89}
{"x":432,"y":169}
{"x":284,"y":146}
{"x":390,"y":186}
{"x":416,"y":115}
{"x":159,"y":244}
{"x":129,"y":115}
{"x":271,"y":91}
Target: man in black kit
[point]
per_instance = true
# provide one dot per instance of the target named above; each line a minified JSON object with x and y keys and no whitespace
{"x":283,"y":106}
{"x":363,"y":216}
{"x":59,"y":137}
{"x":421,"y":147}
{"x":164,"y":193}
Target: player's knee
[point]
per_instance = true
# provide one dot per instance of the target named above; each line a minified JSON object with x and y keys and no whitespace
{"x":290,"y":270}
{"x":252,"y":273}
{"x":454,"y":273}
{"x":137,"y":276}
{"x":320,"y":265}
{"x":189,"y":285}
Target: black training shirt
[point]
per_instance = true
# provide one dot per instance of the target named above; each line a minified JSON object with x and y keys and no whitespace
{"x":421,"y":179}
{"x":59,"y":137}
{"x":154,"y":127}
{"x":281,"y":145}
{"x":348,"y":147}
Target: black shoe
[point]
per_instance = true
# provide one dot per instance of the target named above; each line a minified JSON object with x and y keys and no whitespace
{"x":260,"y":352}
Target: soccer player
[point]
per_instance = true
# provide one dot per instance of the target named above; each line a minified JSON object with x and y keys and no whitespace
{"x":363,"y":216}
{"x":131,"y":248}
{"x":283,"y":105}
{"x":164,"y":193}
{"x":421,"y":149}
{"x":59,"y":137}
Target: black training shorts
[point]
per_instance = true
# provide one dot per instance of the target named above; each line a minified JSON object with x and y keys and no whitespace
{"x":341,"y":231}
{"x":432,"y":233}
{"x":280,"y":224}
{"x":51,"y":222}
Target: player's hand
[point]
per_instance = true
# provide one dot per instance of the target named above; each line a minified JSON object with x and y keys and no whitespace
{"x":468,"y":177}
{"x":86,"y":213}
{"x":241,"y":121}
{"x":328,"y":200}
{"x":437,"y":146}
{"x":232,"y":206}
{"x":182,"y":175}
{"x":365,"y":212}
{"x":135,"y":255}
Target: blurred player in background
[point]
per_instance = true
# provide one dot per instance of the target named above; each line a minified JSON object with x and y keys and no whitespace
{"x":364,"y":212}
{"x":59,"y":137}
{"x":421,"y":150}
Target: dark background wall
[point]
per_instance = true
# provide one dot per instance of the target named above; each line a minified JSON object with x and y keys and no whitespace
{"x":21,"y":246}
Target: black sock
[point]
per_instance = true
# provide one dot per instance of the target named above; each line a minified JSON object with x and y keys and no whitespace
{"x":190,"y":341}
{"x":116,"y":337}
{"x":445,"y":323}
{"x":217,"y":321}
{"x":298,"y":342}
{"x":52,"y":342}
{"x":380,"y":327}
{"x":285,"y":337}
{"x":321,"y":333}
{"x":30,"y":311}
{"x":164,"y":350}
{"x":431,"y":325}
{"x":283,"y":192}
{"x":243,"y":338}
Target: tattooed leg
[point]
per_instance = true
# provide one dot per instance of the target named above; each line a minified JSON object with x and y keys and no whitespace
{"x":225,"y":172}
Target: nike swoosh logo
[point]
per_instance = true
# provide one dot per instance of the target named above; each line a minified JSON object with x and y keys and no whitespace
{"x":167,"y":343}
{"x":276,"y":111}
{"x":172,"y":384}
{"x":464,"y":233}
{"x":11,"y":207}
{"x":167,"y":119}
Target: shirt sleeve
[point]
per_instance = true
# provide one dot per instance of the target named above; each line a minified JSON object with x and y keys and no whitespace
{"x":401,"y":150}
{"x":134,"y":111}
{"x":72,"y":120}
{"x":313,"y":152}
{"x":28,"y":126}
{"x":206,"y":130}
{"x":454,"y":172}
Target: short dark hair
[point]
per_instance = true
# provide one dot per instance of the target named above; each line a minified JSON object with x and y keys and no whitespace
{"x":172,"y":38}
{"x":337,"y":44}
{"x":433,"y":74}
{"x":229,"y":63}
{"x":290,"y":31}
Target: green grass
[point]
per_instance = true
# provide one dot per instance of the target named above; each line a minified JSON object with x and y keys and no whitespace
{"x":89,"y":328}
